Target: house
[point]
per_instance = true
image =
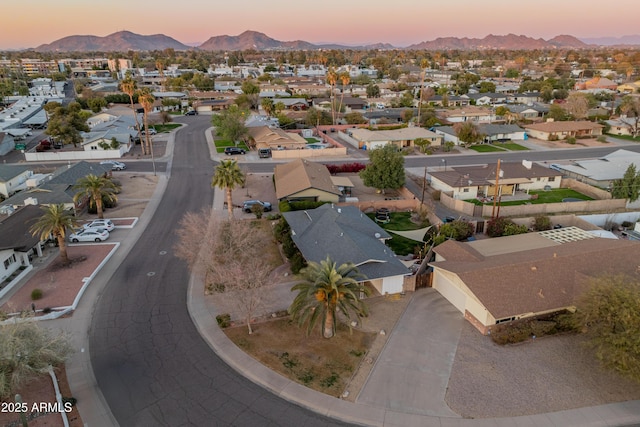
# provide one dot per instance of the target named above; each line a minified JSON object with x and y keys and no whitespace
{"x":553,"y":131}
{"x":346,"y":234}
{"x":447,"y":101}
{"x":491,"y":132}
{"x":210,"y":105}
{"x":404,"y":137}
{"x":467,"y":114}
{"x":526,"y":98}
{"x":13,"y":179}
{"x":622,"y":126}
{"x":348,"y":102}
{"x":470,"y":182}
{"x":600,"y":172}
{"x":626,"y":88}
{"x":17,"y":244}
{"x":304,"y":180}
{"x":493,"y":281}
{"x":486,"y":98}
{"x":275,"y":139}
{"x":596,"y":84}
{"x":293,"y":104}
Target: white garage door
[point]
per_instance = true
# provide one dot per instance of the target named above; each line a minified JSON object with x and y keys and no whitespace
{"x":453,"y":294}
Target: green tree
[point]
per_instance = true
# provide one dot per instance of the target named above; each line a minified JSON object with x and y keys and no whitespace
{"x":228,"y":176}
{"x":467,"y":132}
{"x":128,"y":86}
{"x":97,"y":103}
{"x":457,"y":230}
{"x":267,"y":106}
{"x":326,"y":290}
{"x":251,"y":92}
{"x":423,"y":143}
{"x":385,"y":169}
{"x":373,"y":91}
{"x":629,"y":186}
{"x":28,"y":351}
{"x":557,"y":113}
{"x":66,"y":123}
{"x":96,"y":188}
{"x":146,"y":99}
{"x":630,"y":107}
{"x":609,"y":313}
{"x":487,"y":87}
{"x":230,"y":124}
{"x":315,"y":117}
{"x":355,"y":118}
{"x":55,"y":221}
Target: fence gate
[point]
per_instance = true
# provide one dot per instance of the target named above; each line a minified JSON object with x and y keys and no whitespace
{"x":423,"y":280}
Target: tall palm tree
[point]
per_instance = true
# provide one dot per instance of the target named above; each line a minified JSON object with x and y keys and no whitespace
{"x":128,"y":86}
{"x":328,"y":289}
{"x":146,"y":99}
{"x":55,"y":220}
{"x":424,"y":63}
{"x":345,"y":78}
{"x":96,"y":188}
{"x":228,"y":176}
{"x":332,"y":79}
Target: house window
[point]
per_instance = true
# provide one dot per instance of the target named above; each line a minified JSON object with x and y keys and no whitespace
{"x":9,"y":261}
{"x":537,"y":179}
{"x":93,"y":147}
{"x":552,"y":178}
{"x":465,"y":190}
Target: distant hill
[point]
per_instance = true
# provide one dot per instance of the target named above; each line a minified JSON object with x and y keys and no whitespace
{"x":120,"y":41}
{"x":508,"y":42}
{"x":633,"y":40}
{"x":126,"y":40}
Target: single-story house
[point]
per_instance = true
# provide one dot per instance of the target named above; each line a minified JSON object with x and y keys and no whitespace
{"x":527,"y":98}
{"x":447,"y":101}
{"x":210,"y":105}
{"x":469,"y":182}
{"x":528,"y":112}
{"x":550,"y":131}
{"x":486,"y":98}
{"x":491,"y":132}
{"x":493,"y":281}
{"x":468,"y":114}
{"x":294,"y":104}
{"x":17,"y":244}
{"x":346,"y":234}
{"x":304,"y":180}
{"x":13,"y":178}
{"x":276,"y":139}
{"x":348,"y":102}
{"x":596,"y":83}
{"x":622,"y":126}
{"x":600,"y":172}
{"x":403,"y":137}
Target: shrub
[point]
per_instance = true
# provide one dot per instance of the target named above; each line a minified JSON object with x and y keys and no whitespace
{"x":602,"y":138}
{"x":436,"y":195}
{"x":36,"y":294}
{"x":305,"y":205}
{"x":499,"y":226}
{"x":458,"y":230}
{"x":512,"y":229}
{"x":281,"y":230}
{"x":541,"y":223}
{"x":570,"y":140}
{"x":284,"y":206}
{"x":257,"y":210}
{"x":297,"y":263}
{"x":553,"y":137}
{"x":354,"y":167}
{"x":224,"y":320}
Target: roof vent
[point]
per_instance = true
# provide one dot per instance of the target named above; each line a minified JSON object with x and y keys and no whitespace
{"x":377,"y":235}
{"x":339,"y":210}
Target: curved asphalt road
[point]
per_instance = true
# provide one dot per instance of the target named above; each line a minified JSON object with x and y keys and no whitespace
{"x":150,"y":362}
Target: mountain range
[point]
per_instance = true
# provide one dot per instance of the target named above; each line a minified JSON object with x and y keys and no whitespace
{"x":126,"y":40}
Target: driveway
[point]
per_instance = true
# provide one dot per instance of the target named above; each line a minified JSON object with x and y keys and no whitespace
{"x":412,"y":372}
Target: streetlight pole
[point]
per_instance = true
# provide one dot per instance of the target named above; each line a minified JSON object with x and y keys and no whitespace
{"x":445,"y":164}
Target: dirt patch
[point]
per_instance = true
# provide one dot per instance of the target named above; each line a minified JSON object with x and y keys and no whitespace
{"x":321,"y":364}
{"x":40,"y":390}
{"x":592,"y":142}
{"x":137,"y":190}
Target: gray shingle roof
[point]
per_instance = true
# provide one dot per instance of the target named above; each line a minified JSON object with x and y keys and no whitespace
{"x":71,"y":174}
{"x":346,"y":235}
{"x":8,"y":172}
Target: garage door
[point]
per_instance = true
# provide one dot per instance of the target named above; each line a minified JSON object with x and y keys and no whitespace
{"x":453,"y":294}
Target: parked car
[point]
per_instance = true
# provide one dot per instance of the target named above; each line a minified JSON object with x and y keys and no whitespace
{"x":249,"y":204}
{"x":115,"y":165}
{"x":191,"y":113}
{"x":264,"y":153}
{"x":89,"y":235}
{"x":233,"y":150}
{"x":107,"y":224}
{"x":152,"y":131}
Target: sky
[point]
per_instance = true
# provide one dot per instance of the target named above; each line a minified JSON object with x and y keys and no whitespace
{"x":30,"y":23}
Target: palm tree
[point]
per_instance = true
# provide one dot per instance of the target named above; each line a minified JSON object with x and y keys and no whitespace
{"x":55,"y":220}
{"x":96,"y":188}
{"x":332,"y":79}
{"x":228,"y":176}
{"x":345,"y":78}
{"x":128,"y":86}
{"x":423,"y":72}
{"x":328,"y":288}
{"x":146,"y":99}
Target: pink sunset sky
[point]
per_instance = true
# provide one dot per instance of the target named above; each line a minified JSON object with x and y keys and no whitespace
{"x":30,"y":23}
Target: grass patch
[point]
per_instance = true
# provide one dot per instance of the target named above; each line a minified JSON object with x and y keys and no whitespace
{"x":512,"y":146}
{"x":166,"y":127}
{"x":400,"y":221}
{"x":325,"y":365}
{"x":222,"y":143}
{"x":551,"y":196}
{"x":625,"y":137}
{"x":485,"y":148}
{"x":312,"y":140}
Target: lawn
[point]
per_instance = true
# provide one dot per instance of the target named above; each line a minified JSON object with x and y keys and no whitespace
{"x":551,"y":196}
{"x":325,"y":365}
{"x":485,"y":148}
{"x":400,"y":221}
{"x":625,"y":137}
{"x":512,"y":146}
{"x":166,"y":127}
{"x":222,"y":143}
{"x":312,"y":140}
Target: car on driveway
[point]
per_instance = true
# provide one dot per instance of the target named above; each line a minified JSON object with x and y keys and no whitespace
{"x":249,"y":204}
{"x":152,"y":131}
{"x":233,"y":150}
{"x":107,"y":224}
{"x":191,"y":113}
{"x":115,"y":165}
{"x":89,"y":235}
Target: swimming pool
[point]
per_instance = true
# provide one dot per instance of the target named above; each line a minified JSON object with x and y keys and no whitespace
{"x":317,"y":146}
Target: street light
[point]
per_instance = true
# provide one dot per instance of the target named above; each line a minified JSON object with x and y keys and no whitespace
{"x":445,"y":164}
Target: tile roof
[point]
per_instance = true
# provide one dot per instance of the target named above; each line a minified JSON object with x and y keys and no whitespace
{"x":564,"y":126}
{"x":459,"y":176}
{"x":301,"y":174}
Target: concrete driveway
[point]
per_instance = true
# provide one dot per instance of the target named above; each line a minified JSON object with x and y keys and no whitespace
{"x":412,"y":372}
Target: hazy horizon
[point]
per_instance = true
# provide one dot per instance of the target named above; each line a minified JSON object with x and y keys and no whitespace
{"x":331,"y":22}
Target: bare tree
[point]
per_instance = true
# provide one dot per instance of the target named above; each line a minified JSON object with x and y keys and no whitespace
{"x":231,"y":261}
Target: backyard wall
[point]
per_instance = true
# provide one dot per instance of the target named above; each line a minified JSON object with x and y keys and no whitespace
{"x":59,"y":155}
{"x":298,"y":154}
{"x":457,"y":204}
{"x":586,"y":189}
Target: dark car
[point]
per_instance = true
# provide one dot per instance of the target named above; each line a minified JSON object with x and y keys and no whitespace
{"x":191,"y":113}
{"x":233,"y":150}
{"x":249,"y":204}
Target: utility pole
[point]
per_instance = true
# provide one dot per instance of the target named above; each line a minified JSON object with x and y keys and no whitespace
{"x":424,"y":187}
{"x":495,"y":191}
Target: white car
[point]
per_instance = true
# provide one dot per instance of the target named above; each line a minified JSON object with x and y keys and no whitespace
{"x":115,"y":165}
{"x":152,"y":131}
{"x":107,"y":224}
{"x":89,"y":235}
